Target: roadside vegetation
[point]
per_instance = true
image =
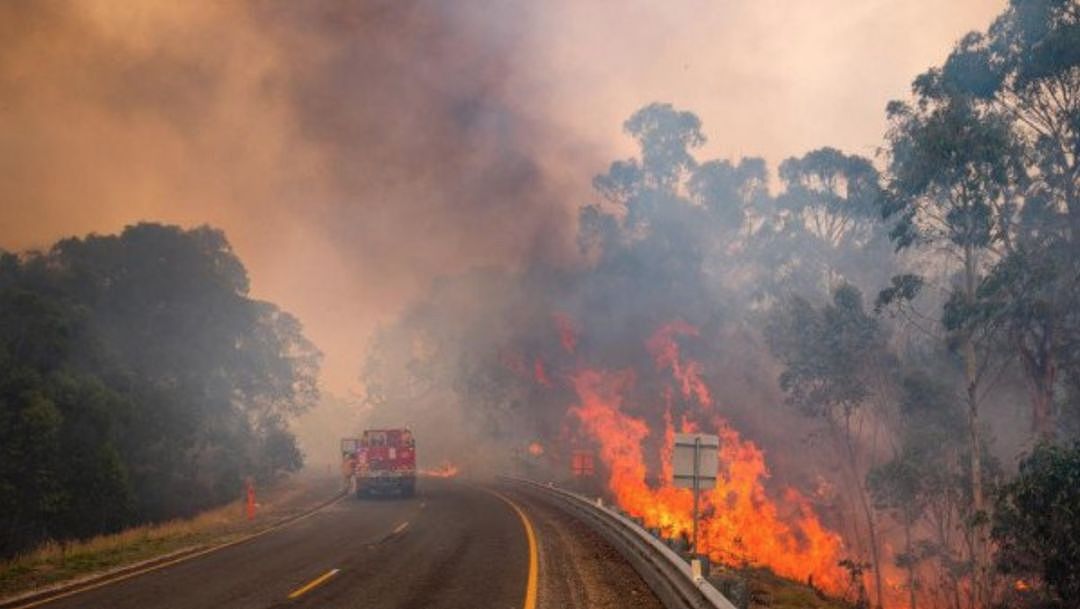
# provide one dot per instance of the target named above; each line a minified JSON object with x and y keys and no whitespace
{"x":139,"y":383}
{"x":55,"y":562}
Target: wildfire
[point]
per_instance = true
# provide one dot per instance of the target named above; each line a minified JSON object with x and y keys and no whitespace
{"x":445,"y":470}
{"x":665,"y":352}
{"x":536,"y":449}
{"x":568,"y":334}
{"x":540,"y":373}
{"x":740,"y":524}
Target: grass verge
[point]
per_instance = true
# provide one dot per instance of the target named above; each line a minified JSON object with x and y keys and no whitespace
{"x":766,"y":589}
{"x":54,"y":563}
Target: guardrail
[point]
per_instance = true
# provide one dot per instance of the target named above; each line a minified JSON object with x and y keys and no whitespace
{"x":671,"y":578}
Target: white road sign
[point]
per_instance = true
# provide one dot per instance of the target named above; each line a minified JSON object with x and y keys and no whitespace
{"x":705,"y":446}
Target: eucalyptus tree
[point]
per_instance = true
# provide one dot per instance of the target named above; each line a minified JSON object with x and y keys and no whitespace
{"x":827,"y":354}
{"x":922,"y":486}
{"x":1027,"y":67}
{"x":827,"y":226}
{"x":952,"y":171}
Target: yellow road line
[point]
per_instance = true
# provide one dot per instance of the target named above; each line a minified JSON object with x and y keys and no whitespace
{"x":530,"y":586}
{"x":112,"y":580}
{"x":311,"y":584}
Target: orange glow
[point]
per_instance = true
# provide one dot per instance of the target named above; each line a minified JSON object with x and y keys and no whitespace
{"x":665,"y":352}
{"x":740,"y":524}
{"x":536,"y":449}
{"x":1021,"y":585}
{"x":445,"y":470}
{"x":540,"y":374}
{"x":567,"y":332}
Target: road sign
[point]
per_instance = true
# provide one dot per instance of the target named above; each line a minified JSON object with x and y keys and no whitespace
{"x":704,"y":447}
{"x":581,"y":463}
{"x":694,"y":465}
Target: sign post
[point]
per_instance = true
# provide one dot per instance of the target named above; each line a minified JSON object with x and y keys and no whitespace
{"x":694,"y":465}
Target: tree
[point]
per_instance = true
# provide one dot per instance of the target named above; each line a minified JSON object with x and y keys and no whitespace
{"x":828,"y":354}
{"x":951,"y":167}
{"x":923,"y":481}
{"x":1027,"y":67}
{"x":1035,"y":524}
{"x":827,"y":228}
{"x":139,"y":381}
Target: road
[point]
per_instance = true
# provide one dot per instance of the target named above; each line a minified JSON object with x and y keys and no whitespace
{"x":454,"y":545}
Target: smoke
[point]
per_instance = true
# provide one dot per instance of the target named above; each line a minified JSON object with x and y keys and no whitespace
{"x":353,"y":151}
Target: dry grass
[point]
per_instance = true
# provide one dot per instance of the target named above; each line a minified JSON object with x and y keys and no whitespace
{"x":56,"y":562}
{"x":769,"y":590}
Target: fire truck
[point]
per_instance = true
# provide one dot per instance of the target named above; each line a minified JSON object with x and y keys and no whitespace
{"x":381,"y":461}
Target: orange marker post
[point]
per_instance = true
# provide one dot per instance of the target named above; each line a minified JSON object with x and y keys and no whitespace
{"x":250,"y":499}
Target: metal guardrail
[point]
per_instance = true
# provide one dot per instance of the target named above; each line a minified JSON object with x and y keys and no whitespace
{"x":667,"y":574}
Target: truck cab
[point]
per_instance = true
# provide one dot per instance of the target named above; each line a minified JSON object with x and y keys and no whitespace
{"x":383,"y":461}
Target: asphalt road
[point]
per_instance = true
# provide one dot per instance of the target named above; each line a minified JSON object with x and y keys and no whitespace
{"x":453,"y":545}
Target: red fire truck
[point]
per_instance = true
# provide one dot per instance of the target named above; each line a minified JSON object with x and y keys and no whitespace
{"x":381,"y":461}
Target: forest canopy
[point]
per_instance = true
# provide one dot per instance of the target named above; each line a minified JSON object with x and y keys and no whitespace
{"x":138,"y":382}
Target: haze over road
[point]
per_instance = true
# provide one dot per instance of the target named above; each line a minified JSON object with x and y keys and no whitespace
{"x":454,"y":545}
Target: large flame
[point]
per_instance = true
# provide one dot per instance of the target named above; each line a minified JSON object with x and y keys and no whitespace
{"x":740,"y":524}
{"x":665,"y":351}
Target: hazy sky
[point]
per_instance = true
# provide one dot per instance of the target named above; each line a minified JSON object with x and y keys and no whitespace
{"x":352,"y":151}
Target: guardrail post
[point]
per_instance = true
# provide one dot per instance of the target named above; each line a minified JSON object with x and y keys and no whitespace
{"x":697,"y":485}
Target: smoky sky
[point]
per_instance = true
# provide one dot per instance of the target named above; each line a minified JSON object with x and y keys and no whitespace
{"x":352,"y":151}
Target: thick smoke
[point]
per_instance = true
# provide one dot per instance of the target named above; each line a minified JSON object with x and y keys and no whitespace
{"x":352,"y":151}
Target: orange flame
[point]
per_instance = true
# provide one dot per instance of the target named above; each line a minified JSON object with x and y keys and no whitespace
{"x":568,"y":335}
{"x":739,"y":524}
{"x":536,"y":449}
{"x":540,"y":374}
{"x":665,"y":352}
{"x":445,"y":470}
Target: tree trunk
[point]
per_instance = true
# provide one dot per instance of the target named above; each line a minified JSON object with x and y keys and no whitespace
{"x":874,"y":549}
{"x":868,"y":512}
{"x":1043,"y":408}
{"x":910,"y":558}
{"x":1042,"y":371}
{"x":1041,"y":368}
{"x":978,"y":504}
